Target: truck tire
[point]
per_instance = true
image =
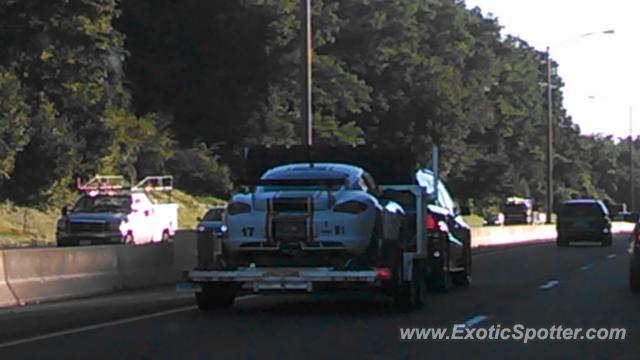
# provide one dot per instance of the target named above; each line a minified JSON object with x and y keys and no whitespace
{"x":165,"y":236}
{"x":441,"y":279}
{"x":463,"y":278}
{"x":562,"y":241}
{"x":411,"y":295}
{"x":214,"y":297}
{"x":607,"y":241}
{"x":634,"y":276}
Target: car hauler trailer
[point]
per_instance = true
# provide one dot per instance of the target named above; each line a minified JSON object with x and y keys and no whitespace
{"x":411,"y":250}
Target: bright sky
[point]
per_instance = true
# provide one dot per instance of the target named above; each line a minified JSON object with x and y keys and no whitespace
{"x":601,"y":74}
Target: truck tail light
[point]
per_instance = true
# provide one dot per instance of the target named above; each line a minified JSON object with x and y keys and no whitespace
{"x":430,"y":222}
{"x":383,"y":273}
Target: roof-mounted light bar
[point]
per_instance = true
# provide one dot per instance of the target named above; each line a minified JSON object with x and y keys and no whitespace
{"x":155,"y":183}
{"x":103,"y":183}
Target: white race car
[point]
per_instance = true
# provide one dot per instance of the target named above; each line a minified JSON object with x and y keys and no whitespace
{"x":310,"y":214}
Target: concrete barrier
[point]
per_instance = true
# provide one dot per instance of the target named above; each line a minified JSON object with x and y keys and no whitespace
{"x":7,"y":298}
{"x":41,"y":274}
{"x":57,"y":273}
{"x":146,"y":265}
{"x":518,"y":234}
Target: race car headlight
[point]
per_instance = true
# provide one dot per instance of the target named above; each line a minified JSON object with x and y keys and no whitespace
{"x":201,"y":228}
{"x":238,"y":208}
{"x":351,"y":207}
{"x":223,"y":229}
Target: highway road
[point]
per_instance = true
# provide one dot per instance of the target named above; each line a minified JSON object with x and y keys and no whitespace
{"x":536,"y":285}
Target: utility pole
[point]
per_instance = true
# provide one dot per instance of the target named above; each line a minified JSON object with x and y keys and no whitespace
{"x":631,"y":184}
{"x":549,"y":140}
{"x":307,"y":58}
{"x":550,"y":126}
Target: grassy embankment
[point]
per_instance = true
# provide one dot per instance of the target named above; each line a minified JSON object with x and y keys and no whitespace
{"x":25,"y":226}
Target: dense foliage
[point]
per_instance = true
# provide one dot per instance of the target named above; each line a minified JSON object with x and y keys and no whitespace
{"x":147,"y":86}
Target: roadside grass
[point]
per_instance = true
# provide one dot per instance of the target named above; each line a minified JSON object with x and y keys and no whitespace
{"x":28,"y":227}
{"x":474,"y":220}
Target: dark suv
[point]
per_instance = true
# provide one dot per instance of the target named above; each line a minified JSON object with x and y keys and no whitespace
{"x":583,"y":220}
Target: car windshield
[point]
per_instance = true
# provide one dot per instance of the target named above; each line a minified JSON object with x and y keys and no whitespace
{"x":307,"y":180}
{"x":515,"y":208}
{"x":214,"y":215}
{"x":103,"y":203}
{"x":581,"y":210}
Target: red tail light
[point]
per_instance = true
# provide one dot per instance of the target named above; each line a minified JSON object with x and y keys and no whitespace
{"x":638,"y":237}
{"x":383,"y":273}
{"x":430,"y":222}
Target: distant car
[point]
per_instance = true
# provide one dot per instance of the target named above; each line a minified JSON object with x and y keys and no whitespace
{"x":634,"y":264}
{"x":213,"y":220}
{"x":518,"y":211}
{"x":583,"y":220}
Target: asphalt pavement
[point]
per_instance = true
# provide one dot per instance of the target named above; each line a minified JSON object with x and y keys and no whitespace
{"x":536,"y":286}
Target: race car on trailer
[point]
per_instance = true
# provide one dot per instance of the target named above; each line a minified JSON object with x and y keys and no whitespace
{"x":322,"y":218}
{"x":109,"y":211}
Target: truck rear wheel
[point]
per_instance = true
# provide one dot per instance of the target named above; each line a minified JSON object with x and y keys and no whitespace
{"x":634,"y":276}
{"x":441,"y":279}
{"x":213,"y":297}
{"x":463,"y":278}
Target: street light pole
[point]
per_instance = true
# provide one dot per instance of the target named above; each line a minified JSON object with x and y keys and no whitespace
{"x":549,"y":140}
{"x":633,"y":188}
{"x":550,"y":127}
{"x":305,"y":62}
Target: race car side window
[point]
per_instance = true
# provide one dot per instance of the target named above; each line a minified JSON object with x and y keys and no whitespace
{"x":372,"y":187}
{"x":362,"y":184}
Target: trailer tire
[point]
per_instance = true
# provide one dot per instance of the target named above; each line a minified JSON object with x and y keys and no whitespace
{"x":214,"y":297}
{"x":409,"y":296}
{"x":441,"y":279}
{"x":634,"y":275}
{"x":463,"y":278}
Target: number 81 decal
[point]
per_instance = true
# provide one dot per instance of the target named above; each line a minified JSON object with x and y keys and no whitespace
{"x":247,"y":231}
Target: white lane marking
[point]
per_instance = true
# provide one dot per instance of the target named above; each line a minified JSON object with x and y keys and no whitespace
{"x":550,"y":284}
{"x":109,"y":323}
{"x":475,"y":320}
{"x":611,"y":256}
{"x":586,"y":267}
{"x":96,"y":326}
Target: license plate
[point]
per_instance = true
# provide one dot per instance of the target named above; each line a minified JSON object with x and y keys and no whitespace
{"x":288,"y":229}
{"x":85,"y":242}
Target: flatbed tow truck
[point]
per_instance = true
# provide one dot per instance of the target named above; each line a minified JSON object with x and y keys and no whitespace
{"x":413,"y":255}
